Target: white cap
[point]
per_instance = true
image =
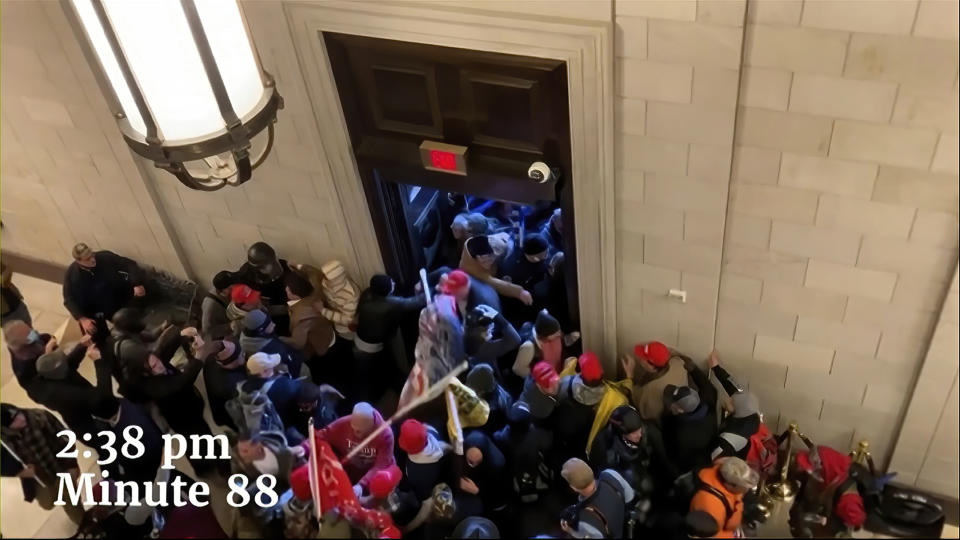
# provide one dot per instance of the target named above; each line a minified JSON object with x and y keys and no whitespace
{"x":260,"y":362}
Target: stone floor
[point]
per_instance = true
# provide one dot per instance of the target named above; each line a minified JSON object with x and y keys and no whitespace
{"x":19,"y":519}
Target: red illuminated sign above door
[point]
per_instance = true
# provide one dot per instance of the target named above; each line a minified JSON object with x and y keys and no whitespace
{"x":443,"y":157}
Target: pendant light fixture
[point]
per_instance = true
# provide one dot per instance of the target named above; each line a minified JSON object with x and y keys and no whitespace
{"x":186,"y":84}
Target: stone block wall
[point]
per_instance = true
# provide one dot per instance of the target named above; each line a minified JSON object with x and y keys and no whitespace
{"x":842,"y":226}
{"x":66,"y":173}
{"x":677,"y":72}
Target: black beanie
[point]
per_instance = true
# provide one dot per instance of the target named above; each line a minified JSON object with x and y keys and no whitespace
{"x":546,"y":324}
{"x":479,"y":246}
{"x":625,"y":419}
{"x":298,"y":284}
{"x":223,"y":280}
{"x":482,"y":379}
{"x":381,"y":284}
{"x":535,"y":244}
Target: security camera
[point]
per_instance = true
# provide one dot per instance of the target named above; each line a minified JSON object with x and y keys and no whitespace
{"x":540,"y":172}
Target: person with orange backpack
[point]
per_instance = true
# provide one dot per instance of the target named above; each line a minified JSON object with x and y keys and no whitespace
{"x":716,"y":510}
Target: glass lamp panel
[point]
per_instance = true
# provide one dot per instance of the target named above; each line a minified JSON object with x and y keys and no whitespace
{"x":98,"y":39}
{"x":223,"y":25}
{"x":159,"y":47}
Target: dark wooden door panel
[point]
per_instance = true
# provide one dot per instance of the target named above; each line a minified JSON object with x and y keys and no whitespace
{"x":506,"y":111}
{"x":491,"y":103}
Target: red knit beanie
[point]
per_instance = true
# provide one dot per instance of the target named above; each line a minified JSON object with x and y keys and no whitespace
{"x":385,"y":481}
{"x":590,"y":369}
{"x":455,"y":281}
{"x":413,"y":436}
{"x":654,"y":352}
{"x":544,"y":374}
{"x":300,"y":483}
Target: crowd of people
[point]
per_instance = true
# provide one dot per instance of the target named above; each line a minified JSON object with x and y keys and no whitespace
{"x":544,"y":438}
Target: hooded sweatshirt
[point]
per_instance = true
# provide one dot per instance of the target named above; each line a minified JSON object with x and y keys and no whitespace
{"x":489,"y":475}
{"x":378,"y":455}
{"x":340,"y":297}
{"x":577,"y":407}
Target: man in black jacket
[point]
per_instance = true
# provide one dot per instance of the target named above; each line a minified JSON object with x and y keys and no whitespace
{"x":690,"y":419}
{"x":379,"y":315}
{"x":634,"y":448}
{"x":59,"y":387}
{"x":26,"y":345}
{"x":146,"y":375}
{"x":380,"y":312}
{"x":97,"y":285}
{"x":266,"y":273}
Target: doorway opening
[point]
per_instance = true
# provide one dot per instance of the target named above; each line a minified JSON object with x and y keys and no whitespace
{"x":507,"y":112}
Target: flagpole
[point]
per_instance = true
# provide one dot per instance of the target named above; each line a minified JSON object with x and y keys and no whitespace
{"x":432,"y":392}
{"x":16,"y":457}
{"x":313,"y":469}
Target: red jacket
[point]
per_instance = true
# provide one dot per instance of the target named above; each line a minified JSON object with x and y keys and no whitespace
{"x":376,"y":456}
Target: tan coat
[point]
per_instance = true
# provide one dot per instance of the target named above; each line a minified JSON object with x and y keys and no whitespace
{"x":310,"y":331}
{"x":648,"y":396}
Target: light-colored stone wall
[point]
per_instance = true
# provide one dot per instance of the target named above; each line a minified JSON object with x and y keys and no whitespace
{"x":66,"y":173}
{"x":926,"y":450}
{"x":842,"y":226}
{"x":678,"y":67}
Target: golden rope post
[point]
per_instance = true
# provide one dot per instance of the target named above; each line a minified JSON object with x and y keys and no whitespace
{"x":862,"y":456}
{"x":782,"y":488}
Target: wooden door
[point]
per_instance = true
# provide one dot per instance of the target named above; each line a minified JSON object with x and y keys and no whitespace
{"x":508,"y":110}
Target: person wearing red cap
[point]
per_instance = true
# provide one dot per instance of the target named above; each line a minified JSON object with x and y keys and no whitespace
{"x":429,"y":460}
{"x":386,"y":497}
{"x":467,"y":291}
{"x":656,"y":367}
{"x":298,"y":518}
{"x":243,"y":300}
{"x":579,"y":396}
{"x":541,"y":391}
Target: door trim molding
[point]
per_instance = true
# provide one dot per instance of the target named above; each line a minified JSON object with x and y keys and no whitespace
{"x":586,"y":47}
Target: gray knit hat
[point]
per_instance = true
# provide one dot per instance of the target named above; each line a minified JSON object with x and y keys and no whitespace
{"x":256,"y":320}
{"x":684,"y":397}
{"x":744,"y":404}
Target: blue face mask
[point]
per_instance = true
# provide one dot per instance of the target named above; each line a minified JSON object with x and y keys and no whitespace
{"x":33,"y":337}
